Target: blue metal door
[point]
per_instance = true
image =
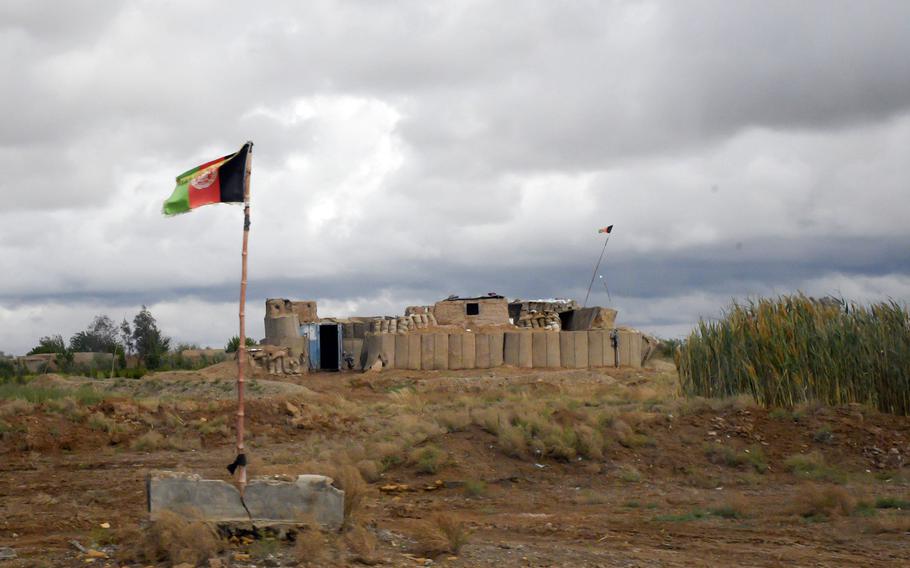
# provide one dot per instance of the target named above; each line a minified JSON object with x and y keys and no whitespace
{"x":311,"y":332}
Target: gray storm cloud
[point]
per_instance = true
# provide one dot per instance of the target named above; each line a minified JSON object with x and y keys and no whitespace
{"x":409,"y":150}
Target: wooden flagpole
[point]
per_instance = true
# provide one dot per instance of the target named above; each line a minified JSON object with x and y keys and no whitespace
{"x":240,"y":462}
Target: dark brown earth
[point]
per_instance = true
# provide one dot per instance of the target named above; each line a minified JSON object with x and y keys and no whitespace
{"x":661,"y":497}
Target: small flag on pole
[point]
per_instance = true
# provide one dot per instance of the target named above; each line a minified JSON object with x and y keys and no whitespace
{"x":218,"y":181}
{"x":606,"y":229}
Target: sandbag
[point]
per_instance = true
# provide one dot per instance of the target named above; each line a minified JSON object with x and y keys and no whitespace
{"x":596,"y":348}
{"x":496,"y":348}
{"x":511,"y":348}
{"x":539,"y":349}
{"x":414,"y":357}
{"x":440,"y":351}
{"x":427,"y":356}
{"x":482,"y":350}
{"x":468,"y":351}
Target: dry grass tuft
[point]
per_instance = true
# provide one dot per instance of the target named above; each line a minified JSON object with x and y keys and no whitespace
{"x":310,"y":548}
{"x":362,"y":545}
{"x":16,"y":407}
{"x":369,"y":470}
{"x":823,"y":502}
{"x":175,"y":539}
{"x":348,"y":479}
{"x":427,"y":459}
{"x":454,"y":420}
{"x":149,"y":441}
{"x":894,"y":524}
{"x":441,"y":534}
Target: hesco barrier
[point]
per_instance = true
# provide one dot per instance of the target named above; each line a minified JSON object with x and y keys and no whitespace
{"x":523,"y":349}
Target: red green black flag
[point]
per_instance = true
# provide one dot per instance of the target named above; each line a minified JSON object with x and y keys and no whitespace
{"x":218,"y":181}
{"x":606,"y":229}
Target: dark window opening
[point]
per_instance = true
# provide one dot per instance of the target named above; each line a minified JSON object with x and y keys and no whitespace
{"x":472,"y":309}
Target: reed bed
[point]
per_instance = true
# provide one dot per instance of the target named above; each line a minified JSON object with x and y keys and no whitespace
{"x":794,"y":349}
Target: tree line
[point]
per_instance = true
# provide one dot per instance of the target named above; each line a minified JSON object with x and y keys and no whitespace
{"x":143,"y":339}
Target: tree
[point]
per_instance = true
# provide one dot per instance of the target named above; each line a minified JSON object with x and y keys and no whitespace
{"x":49,"y":344}
{"x":100,"y":337}
{"x":234,"y":342}
{"x":126,"y":337}
{"x":148,"y":341}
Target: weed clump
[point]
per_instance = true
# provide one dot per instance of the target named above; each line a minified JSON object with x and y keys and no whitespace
{"x":813,"y":466}
{"x":427,"y":459}
{"x":821,"y":503}
{"x":175,"y":539}
{"x":441,"y":534}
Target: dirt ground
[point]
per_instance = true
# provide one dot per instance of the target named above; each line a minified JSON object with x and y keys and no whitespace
{"x":559,"y":468}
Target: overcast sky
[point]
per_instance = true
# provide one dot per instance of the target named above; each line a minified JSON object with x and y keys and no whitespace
{"x":405,"y":151}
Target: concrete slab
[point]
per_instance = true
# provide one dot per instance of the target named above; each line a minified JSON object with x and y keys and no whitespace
{"x":271,"y":500}
{"x":187,"y":493}
{"x":265,"y":501}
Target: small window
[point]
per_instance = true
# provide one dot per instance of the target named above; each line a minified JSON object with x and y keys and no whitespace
{"x":472,"y":309}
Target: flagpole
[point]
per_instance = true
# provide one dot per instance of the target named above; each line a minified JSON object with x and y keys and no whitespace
{"x":241,"y":347}
{"x":596,"y":266}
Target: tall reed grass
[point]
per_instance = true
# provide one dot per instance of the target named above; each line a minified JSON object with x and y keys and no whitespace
{"x":793,"y":349}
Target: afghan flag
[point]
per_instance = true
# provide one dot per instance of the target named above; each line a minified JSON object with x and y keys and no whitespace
{"x":218,"y":181}
{"x":606,"y":229}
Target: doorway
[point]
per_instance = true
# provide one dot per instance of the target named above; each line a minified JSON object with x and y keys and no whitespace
{"x":329,"y":347}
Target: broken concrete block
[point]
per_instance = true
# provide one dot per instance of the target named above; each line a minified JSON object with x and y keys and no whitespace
{"x":188,"y":493}
{"x":265,"y":500}
{"x":271,"y":500}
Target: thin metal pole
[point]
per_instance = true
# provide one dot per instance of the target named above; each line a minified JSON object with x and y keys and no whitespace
{"x":241,"y":348}
{"x":604,"y":282}
{"x":596,"y":266}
